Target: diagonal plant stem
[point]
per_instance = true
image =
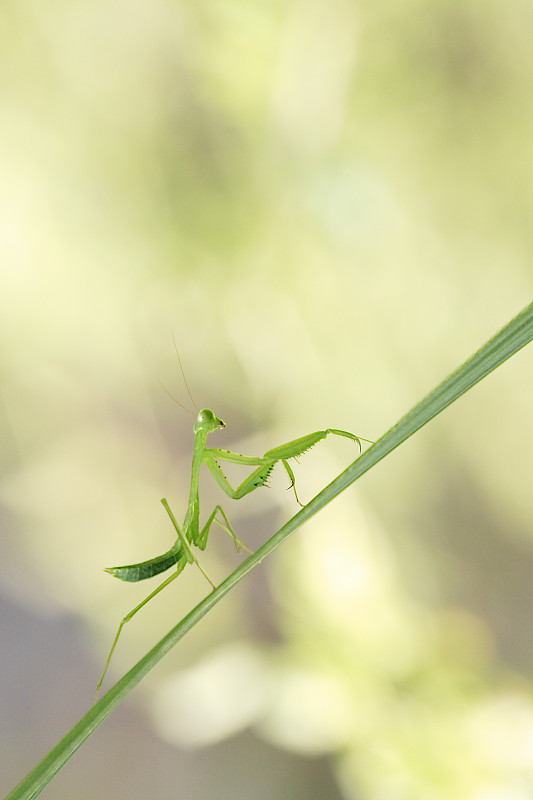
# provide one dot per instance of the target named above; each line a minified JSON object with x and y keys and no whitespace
{"x":515,"y":335}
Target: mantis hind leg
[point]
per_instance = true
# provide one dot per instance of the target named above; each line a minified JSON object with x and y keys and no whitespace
{"x":187,"y":557}
{"x":180,"y":566}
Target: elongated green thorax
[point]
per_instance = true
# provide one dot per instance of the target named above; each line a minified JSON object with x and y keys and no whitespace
{"x":206,"y":423}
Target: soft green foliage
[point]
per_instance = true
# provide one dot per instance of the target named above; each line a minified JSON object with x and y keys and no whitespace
{"x":330,"y":203}
{"x":512,"y":338}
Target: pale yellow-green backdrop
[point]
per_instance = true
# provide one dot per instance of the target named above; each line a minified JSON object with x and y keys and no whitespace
{"x":330,"y":204}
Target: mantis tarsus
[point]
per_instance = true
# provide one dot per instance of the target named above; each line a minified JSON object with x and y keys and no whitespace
{"x":180,"y":554}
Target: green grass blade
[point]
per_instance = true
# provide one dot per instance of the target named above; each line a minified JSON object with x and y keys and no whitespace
{"x":508,"y":341}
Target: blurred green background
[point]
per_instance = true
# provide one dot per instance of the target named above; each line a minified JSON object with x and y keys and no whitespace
{"x":331,"y":205}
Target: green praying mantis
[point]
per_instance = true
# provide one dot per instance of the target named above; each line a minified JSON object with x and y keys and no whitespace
{"x":190,"y":533}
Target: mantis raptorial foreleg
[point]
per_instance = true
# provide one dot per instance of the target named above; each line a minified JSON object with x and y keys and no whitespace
{"x":267,"y":463}
{"x":181,"y":552}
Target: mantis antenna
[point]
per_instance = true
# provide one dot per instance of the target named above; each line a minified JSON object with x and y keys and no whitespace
{"x":184,"y":381}
{"x":183,"y":373}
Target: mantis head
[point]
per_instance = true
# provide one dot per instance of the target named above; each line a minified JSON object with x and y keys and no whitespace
{"x":207,"y":422}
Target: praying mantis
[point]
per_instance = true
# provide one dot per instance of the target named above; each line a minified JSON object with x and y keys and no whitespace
{"x":190,"y":533}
